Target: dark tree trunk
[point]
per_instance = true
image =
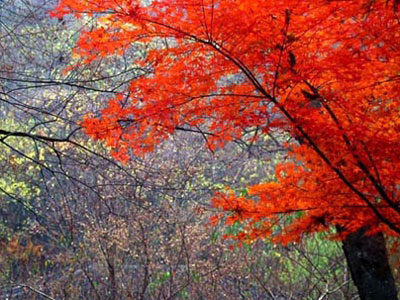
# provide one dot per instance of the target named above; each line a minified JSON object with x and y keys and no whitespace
{"x":368,"y":261}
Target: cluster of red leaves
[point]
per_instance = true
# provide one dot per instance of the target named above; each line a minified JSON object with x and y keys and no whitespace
{"x":327,"y":72}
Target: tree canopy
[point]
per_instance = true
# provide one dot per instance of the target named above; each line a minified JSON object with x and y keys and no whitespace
{"x":325,"y":72}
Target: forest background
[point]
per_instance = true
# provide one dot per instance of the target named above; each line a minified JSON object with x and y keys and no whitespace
{"x":77,"y":223}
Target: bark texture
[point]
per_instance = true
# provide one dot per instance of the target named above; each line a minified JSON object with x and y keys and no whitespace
{"x":368,"y":261}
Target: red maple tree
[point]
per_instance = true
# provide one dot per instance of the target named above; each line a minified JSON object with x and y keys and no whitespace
{"x":326,"y":72}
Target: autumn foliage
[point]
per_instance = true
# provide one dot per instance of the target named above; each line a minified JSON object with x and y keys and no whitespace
{"x":325,"y":72}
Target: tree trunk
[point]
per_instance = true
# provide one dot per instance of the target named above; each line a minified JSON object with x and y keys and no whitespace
{"x":368,"y":261}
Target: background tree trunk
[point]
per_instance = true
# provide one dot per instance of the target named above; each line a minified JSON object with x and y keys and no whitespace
{"x":368,"y":261}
